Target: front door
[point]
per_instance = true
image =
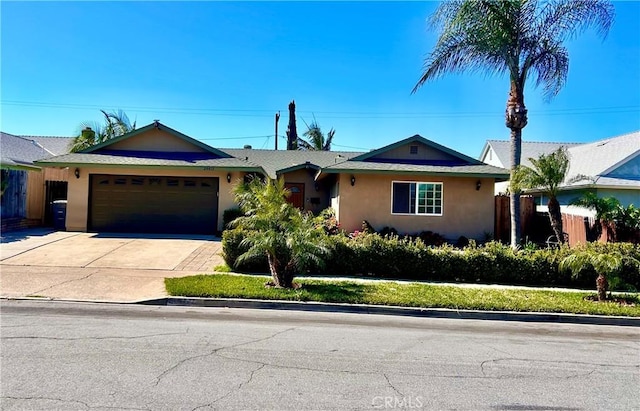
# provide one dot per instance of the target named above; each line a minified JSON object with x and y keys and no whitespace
{"x":296,"y":198}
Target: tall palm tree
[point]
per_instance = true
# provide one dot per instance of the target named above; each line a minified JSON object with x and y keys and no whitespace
{"x":315,"y":138}
{"x":116,"y":123}
{"x":548,"y":173}
{"x":523,"y":38}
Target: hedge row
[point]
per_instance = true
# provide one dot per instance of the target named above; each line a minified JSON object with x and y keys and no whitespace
{"x":392,"y":257}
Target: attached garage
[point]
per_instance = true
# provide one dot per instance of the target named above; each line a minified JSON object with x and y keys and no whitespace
{"x":153,"y":204}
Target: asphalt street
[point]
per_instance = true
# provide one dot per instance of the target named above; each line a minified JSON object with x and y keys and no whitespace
{"x":76,"y":356}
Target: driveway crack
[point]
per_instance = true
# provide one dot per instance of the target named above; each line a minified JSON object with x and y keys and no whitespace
{"x":65,"y":282}
{"x":109,"y":252}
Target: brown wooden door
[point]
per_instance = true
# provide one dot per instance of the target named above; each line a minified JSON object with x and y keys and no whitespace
{"x":297,"y":194}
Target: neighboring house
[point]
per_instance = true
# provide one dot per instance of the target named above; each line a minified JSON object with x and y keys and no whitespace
{"x":612,"y":165}
{"x":26,"y":188}
{"x":498,"y":153}
{"x":156,"y":179}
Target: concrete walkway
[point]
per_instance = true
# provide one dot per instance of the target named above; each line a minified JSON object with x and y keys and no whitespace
{"x":100,"y":267}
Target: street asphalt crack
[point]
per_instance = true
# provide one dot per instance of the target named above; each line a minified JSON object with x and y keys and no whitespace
{"x":135,"y":337}
{"x":214,"y":352}
{"x":84,"y":404}
{"x":386,"y":377}
{"x":595,"y":366}
{"x":238,"y":388}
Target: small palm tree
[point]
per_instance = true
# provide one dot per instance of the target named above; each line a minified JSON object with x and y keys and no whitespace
{"x":115,"y":124}
{"x":547,"y":173}
{"x":522,"y":38}
{"x":290,"y":239}
{"x":606,"y":265}
{"x":315,"y":139}
{"x":604,"y":207}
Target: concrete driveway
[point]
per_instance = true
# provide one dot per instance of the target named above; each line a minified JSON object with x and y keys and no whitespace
{"x":103,"y":267}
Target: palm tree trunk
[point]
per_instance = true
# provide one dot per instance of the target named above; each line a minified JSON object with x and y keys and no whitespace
{"x":515,"y":120}
{"x":555,"y":216}
{"x":282,"y":276}
{"x":601,"y":285}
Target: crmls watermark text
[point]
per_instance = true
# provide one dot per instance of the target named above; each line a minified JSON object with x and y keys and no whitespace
{"x":405,"y":403}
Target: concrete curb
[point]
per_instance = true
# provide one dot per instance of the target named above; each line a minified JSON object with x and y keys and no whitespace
{"x":399,"y":311}
{"x":310,"y":306}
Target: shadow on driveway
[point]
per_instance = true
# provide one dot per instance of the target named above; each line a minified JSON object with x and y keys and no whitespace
{"x":19,"y":235}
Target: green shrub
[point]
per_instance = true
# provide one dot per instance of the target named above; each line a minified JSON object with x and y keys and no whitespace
{"x":229,"y":215}
{"x":232,"y":249}
{"x":406,"y":258}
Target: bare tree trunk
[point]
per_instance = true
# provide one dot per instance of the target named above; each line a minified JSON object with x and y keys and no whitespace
{"x":555,"y":217}
{"x":515,"y":120}
{"x":292,"y":130}
{"x":602,"y":285}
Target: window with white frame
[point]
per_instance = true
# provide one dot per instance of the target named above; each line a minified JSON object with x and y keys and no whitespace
{"x":408,"y":197}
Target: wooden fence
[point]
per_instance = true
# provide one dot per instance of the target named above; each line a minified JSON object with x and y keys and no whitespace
{"x":13,"y":203}
{"x":502,"y":221}
{"x":26,"y":192}
{"x":37,"y":190}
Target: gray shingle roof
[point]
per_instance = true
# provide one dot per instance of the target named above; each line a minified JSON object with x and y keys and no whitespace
{"x":20,"y":152}
{"x":274,"y":161}
{"x":78,"y":159}
{"x":54,"y":145}
{"x":600,"y":158}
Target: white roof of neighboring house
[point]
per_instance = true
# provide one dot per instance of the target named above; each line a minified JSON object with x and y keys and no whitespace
{"x":530,"y":149}
{"x":611,"y":162}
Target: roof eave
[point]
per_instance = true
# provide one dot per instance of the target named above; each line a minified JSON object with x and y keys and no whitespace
{"x":502,"y":177}
{"x":184,"y":167}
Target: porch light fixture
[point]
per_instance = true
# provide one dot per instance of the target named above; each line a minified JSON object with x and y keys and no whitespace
{"x":353,"y":181}
{"x":478,"y":185}
{"x":77,"y":173}
{"x":228,"y":177}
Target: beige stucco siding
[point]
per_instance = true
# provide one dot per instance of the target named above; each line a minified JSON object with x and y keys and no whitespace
{"x":156,"y":140}
{"x":78,"y":192}
{"x":466,"y":211}
{"x":424,"y":153}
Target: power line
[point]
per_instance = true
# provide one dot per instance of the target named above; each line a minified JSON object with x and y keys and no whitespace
{"x":234,"y":138}
{"x":331,"y":114}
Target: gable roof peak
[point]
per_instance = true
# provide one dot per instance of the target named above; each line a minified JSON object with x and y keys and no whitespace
{"x":159,"y":126}
{"x":423,"y":140}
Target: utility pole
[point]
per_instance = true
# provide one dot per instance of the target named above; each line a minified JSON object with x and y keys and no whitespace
{"x":277,"y":118}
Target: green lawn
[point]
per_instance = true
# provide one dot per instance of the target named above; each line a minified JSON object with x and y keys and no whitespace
{"x":399,"y":294}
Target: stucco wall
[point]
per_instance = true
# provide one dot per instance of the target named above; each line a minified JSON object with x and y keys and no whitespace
{"x":424,"y":153}
{"x":78,"y":194}
{"x":155,"y":140}
{"x":467,"y":211}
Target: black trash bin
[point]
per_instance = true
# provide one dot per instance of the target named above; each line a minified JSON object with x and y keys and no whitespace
{"x":59,"y":208}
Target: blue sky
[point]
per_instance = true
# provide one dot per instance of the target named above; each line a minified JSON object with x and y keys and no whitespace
{"x":219,"y":71}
